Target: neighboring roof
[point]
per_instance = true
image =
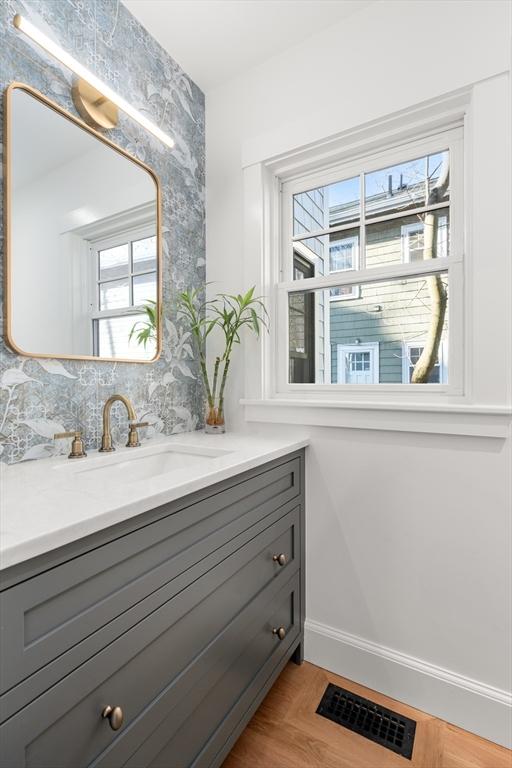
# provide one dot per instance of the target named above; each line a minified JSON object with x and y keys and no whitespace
{"x":407,"y":197}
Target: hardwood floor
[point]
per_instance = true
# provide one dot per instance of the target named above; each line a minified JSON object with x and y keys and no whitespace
{"x":286,"y":732}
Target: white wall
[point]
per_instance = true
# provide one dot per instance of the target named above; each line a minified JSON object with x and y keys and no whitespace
{"x":408,"y":535}
{"x":86,"y":189}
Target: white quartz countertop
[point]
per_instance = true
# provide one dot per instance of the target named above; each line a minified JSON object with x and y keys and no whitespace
{"x":51,"y":502}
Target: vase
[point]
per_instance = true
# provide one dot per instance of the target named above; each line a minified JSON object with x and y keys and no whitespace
{"x":214,"y":420}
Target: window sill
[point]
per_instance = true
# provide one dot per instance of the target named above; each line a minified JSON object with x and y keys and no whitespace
{"x":443,"y":419}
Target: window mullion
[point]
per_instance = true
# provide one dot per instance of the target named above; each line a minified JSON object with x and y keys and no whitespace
{"x":116,"y":312}
{"x":130,"y":273}
{"x":361,"y":261}
{"x":369,"y":275}
{"x":406,"y":213}
{"x":328,"y":231}
{"x":113,"y":279}
{"x":427,"y":182}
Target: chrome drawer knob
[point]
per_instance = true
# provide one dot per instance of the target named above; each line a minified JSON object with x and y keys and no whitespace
{"x":280,"y":559}
{"x":115,"y":716}
{"x":280,"y":632}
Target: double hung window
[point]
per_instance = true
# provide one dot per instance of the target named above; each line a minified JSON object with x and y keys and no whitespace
{"x":376,"y":244}
{"x":125,"y":280}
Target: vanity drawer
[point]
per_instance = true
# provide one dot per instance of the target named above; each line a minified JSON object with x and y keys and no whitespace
{"x":68,"y":613}
{"x":177,"y":654}
{"x":196,"y":729}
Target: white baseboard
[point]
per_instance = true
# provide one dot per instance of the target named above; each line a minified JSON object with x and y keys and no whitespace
{"x":471,"y":705}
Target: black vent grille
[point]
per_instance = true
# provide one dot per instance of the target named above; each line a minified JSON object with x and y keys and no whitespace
{"x":381,"y":725}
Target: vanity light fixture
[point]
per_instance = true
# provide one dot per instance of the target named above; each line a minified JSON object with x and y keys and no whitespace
{"x":96,"y":102}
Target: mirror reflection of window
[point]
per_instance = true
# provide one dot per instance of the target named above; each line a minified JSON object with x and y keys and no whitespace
{"x":126,"y":269}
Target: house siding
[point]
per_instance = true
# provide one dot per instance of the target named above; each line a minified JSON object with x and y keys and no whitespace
{"x":403,"y":316}
{"x":391,"y":313}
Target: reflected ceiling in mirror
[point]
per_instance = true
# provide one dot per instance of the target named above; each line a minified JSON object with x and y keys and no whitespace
{"x":83,"y":239}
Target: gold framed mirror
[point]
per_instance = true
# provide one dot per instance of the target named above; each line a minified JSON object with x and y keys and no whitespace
{"x":83,"y":245}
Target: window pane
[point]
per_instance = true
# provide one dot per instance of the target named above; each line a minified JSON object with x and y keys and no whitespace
{"x":115,"y":294}
{"x":438,"y":170}
{"x":372,"y":336}
{"x":144,"y":254}
{"x":326,"y":207}
{"x":413,"y":354}
{"x":315,"y":252}
{"x":395,"y":188}
{"x":403,"y":186}
{"x":411,"y":238}
{"x":344,"y":201}
{"x":309,"y":211}
{"x":301,"y":327}
{"x":114,"y":262}
{"x":113,"y":338}
{"x":329,"y":253}
{"x":144,"y":288}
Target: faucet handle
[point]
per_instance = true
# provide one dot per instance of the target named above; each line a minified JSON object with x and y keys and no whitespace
{"x":133,"y":435}
{"x":77,"y":446}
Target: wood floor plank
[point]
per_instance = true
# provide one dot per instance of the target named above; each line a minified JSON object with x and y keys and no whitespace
{"x":465,"y":750}
{"x":286,"y":732}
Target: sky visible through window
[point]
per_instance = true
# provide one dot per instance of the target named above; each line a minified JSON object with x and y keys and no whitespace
{"x":345,"y":194}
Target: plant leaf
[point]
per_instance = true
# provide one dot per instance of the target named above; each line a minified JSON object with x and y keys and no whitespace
{"x":44,"y":427}
{"x":153,"y":387}
{"x":185,"y":370}
{"x":41,"y":451}
{"x":55,"y":368}
{"x":14,"y":376}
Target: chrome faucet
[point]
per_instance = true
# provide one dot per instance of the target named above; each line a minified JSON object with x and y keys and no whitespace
{"x":133,"y":435}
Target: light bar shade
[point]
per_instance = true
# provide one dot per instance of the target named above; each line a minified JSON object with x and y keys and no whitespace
{"x":58,"y":53}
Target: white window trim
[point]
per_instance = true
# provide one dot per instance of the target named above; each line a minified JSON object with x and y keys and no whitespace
{"x":134,"y":224}
{"x":372,"y":347}
{"x":450,"y":139}
{"x":447,"y":138}
{"x":132,"y":234}
{"x":479,"y":410}
{"x":129,"y":223}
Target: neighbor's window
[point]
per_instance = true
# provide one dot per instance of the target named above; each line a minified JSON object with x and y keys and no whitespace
{"x":125,"y":279}
{"x":412,"y":353}
{"x":372,"y":245}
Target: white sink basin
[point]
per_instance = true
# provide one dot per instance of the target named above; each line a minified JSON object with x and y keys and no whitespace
{"x":135,"y":464}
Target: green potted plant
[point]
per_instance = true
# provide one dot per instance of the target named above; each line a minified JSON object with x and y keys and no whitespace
{"x":228,"y":314}
{"x":145,"y":330}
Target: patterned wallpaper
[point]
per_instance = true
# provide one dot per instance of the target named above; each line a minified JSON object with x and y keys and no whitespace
{"x":41,"y":397}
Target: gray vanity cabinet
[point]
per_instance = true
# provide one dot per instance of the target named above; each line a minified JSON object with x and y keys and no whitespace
{"x":183,"y":617}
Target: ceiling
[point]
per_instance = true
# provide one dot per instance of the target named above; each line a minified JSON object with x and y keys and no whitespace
{"x":215,"y":40}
